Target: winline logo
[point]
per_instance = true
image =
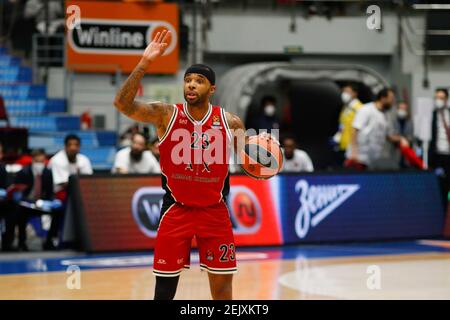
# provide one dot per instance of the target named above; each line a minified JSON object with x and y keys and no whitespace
{"x":106,"y":36}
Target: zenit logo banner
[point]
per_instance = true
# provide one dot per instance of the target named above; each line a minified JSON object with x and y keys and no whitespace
{"x":123,"y":37}
{"x":317,"y":202}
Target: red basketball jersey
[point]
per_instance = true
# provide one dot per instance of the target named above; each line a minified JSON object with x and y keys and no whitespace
{"x":193,"y":157}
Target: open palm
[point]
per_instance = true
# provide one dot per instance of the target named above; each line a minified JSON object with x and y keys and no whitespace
{"x":158,"y":45}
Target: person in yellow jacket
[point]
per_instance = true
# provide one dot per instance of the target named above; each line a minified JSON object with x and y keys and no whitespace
{"x":352,"y":104}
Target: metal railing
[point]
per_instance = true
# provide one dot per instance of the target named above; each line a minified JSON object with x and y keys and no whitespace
{"x":47,"y":51}
{"x":72,"y":89}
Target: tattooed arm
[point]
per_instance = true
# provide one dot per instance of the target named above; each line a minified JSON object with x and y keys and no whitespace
{"x":157,"y":113}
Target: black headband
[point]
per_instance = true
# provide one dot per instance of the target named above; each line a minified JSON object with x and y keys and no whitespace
{"x":204,"y":70}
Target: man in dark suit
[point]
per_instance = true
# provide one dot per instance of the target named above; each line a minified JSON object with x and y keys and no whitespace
{"x":37,"y":183}
{"x":439,"y":151}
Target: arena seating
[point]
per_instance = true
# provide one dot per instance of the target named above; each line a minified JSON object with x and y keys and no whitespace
{"x":28,"y":106}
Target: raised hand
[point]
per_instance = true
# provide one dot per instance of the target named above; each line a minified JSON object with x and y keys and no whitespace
{"x":157,"y":47}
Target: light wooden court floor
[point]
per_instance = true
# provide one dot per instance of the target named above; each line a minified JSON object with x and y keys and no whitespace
{"x":408,"y":270}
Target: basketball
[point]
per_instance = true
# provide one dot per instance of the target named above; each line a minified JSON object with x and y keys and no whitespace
{"x":261,"y":157}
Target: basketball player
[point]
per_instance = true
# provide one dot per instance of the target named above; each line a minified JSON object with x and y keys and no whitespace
{"x":194,"y":203}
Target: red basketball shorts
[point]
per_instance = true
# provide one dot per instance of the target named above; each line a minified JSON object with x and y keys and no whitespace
{"x":212,"y":228}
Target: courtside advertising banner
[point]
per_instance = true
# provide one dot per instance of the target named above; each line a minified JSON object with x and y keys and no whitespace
{"x":120,"y":213}
{"x":253,"y":211}
{"x":123,"y":212}
{"x":447,"y":222}
{"x":105,"y":36}
{"x":354,"y":207}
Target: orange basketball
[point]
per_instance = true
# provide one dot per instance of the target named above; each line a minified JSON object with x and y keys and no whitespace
{"x":261,"y":157}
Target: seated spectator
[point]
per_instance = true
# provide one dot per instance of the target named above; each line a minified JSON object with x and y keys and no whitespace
{"x":68,"y":162}
{"x":5,"y":207}
{"x":136,"y":159}
{"x":154,"y":148}
{"x":37,"y":184}
{"x":295,"y":160}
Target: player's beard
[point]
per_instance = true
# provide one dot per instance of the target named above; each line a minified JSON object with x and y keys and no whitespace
{"x":200,"y":100}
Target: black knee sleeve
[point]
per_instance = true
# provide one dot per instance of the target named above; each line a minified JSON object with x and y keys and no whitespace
{"x":166,"y":287}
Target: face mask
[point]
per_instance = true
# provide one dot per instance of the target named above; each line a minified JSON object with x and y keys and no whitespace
{"x":402,"y":114}
{"x":346,"y":97}
{"x":38,"y":167}
{"x":269,"y":110}
{"x":439,"y":103}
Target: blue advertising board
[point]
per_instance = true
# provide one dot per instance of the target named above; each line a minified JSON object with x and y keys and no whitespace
{"x":352,"y":207}
{"x":287,"y":209}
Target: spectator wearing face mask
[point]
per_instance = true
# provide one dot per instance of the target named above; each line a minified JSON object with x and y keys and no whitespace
{"x":439,"y":151}
{"x":351,"y":104}
{"x":136,"y":159}
{"x":404,"y":122}
{"x":404,"y":126}
{"x":370,"y":132}
{"x":295,"y":160}
{"x":267,"y":120}
{"x":37,"y":182}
